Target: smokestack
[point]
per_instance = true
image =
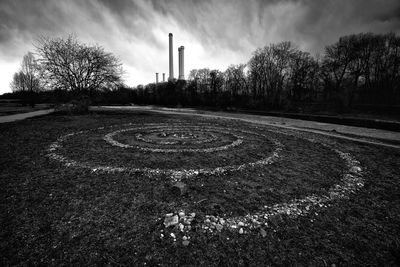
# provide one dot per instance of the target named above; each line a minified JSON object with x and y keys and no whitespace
{"x":181,"y":63}
{"x":163,"y":77}
{"x":171,"y":59}
{"x":156,"y":77}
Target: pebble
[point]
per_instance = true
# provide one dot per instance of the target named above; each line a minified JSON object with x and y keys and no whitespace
{"x":219,"y":227}
{"x":255,"y":221}
{"x":169,"y":215}
{"x":355,"y":169}
{"x":185,"y":243}
{"x":193,"y":214}
{"x":181,"y":214}
{"x":184,"y":238}
{"x":181,"y":227}
{"x":171,"y":221}
{"x":241,"y":231}
{"x":263,"y":233}
{"x":241,"y":223}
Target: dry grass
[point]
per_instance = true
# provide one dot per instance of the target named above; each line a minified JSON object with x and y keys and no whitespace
{"x":54,"y":215}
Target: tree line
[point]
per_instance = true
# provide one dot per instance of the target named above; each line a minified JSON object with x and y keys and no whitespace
{"x":358,"y":70}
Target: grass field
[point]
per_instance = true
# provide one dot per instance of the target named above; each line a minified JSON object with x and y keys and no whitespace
{"x":70,"y":195}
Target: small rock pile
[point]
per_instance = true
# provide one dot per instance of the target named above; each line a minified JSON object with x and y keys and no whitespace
{"x":181,"y":224}
{"x":242,"y":224}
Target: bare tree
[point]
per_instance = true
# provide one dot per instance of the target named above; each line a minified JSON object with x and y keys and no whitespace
{"x":27,"y":78}
{"x":235,"y":81}
{"x":202,"y":79}
{"x":336,"y":63}
{"x":29,"y":68}
{"x":269,"y":70}
{"x":18,"y":82}
{"x":304,"y":76}
{"x":70,"y":65}
{"x":216,"y":81}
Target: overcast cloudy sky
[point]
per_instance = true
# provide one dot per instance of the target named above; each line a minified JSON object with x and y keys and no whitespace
{"x":215,"y":33}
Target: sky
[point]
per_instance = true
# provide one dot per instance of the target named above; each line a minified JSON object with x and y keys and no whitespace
{"x":215,"y":33}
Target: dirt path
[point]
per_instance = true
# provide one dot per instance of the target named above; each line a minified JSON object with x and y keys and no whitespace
{"x":357,"y":134}
{"x":22,"y":116}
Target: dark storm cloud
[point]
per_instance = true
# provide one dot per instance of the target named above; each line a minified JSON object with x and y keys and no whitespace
{"x":28,"y":19}
{"x":215,"y":33}
{"x":313,"y":24}
{"x":323,"y":22}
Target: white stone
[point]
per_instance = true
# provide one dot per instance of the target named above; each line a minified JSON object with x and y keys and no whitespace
{"x":219,"y":227}
{"x":171,"y":221}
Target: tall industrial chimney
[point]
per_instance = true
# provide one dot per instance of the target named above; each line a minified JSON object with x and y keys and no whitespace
{"x":156,"y":77}
{"x":163,"y":77}
{"x":171,"y":58}
{"x":181,"y":63}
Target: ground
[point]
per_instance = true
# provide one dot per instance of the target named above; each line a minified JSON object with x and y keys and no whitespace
{"x":11,"y":109}
{"x":97,"y":189}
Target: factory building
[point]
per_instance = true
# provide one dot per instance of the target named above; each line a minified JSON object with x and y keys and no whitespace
{"x":181,"y":61}
{"x":171,"y":57}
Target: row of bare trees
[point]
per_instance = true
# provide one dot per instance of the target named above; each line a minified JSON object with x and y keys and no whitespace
{"x":357,"y":69}
{"x":365,"y":66}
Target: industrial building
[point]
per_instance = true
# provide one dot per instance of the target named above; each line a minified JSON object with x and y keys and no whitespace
{"x":181,"y":62}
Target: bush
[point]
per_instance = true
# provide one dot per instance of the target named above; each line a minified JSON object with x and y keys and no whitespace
{"x":76,"y":106}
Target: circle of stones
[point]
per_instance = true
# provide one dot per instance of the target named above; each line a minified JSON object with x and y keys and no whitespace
{"x":174,"y":174}
{"x":210,"y":139}
{"x":110,"y":139}
{"x":352,"y":180}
